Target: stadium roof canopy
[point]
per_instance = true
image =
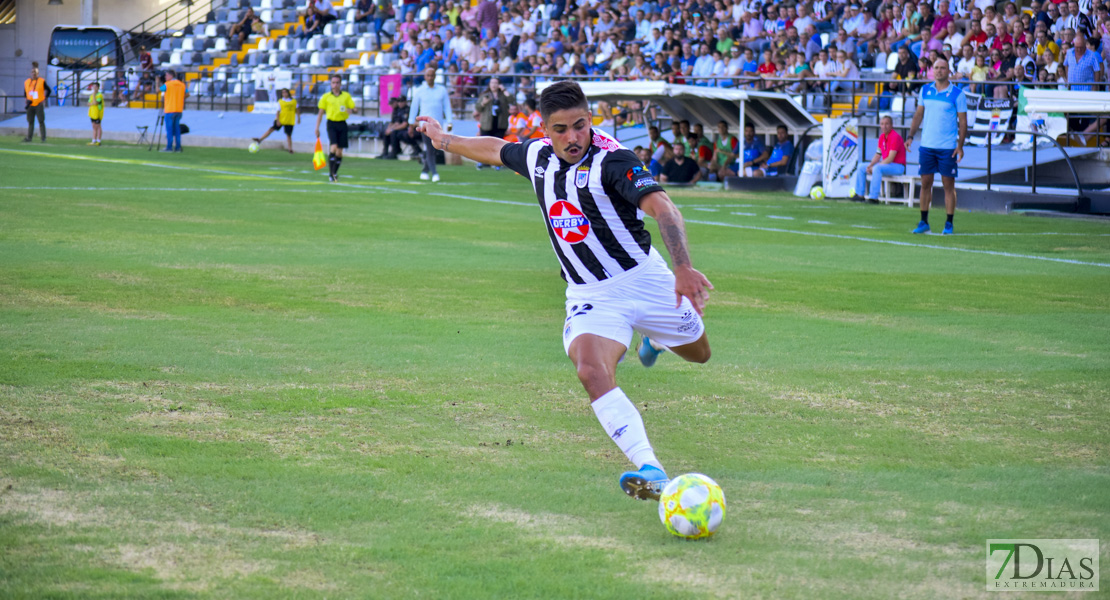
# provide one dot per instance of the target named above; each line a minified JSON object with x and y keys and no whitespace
{"x":708,"y":105}
{"x":1066,"y":101}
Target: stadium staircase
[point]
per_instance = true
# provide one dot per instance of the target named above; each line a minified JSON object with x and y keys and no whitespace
{"x":202,"y":52}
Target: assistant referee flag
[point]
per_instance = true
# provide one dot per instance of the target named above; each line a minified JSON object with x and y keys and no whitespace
{"x":318,"y":158}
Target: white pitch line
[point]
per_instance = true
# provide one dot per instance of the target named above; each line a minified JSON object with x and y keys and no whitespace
{"x":820,"y":222}
{"x":779,"y":217}
{"x":907,"y":244}
{"x":863,"y":227}
{"x":700,"y":209}
{"x":487,"y":200}
{"x":744,"y":214}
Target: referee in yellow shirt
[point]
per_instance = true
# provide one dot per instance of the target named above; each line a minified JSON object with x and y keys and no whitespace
{"x":337,"y":105}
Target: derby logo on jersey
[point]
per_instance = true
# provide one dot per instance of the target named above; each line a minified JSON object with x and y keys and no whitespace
{"x":568,"y":222}
{"x":582,"y":176}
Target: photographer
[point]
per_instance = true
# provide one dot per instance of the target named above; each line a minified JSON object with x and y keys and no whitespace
{"x":36,"y":91}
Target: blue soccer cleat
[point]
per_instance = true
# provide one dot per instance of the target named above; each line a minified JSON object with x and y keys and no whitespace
{"x":648,"y":352}
{"x":645,"y":484}
{"x":948,"y":229}
{"x":922,"y":227}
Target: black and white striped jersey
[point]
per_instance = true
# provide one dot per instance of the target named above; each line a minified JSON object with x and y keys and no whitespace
{"x":592,"y":208}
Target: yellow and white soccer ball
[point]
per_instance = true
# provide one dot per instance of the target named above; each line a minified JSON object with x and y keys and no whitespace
{"x":692,"y":506}
{"x":817,"y":193}
{"x":253,"y":147}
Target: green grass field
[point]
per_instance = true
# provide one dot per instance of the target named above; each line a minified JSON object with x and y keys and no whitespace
{"x":221,"y":376}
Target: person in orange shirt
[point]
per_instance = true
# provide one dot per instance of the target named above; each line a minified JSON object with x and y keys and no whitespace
{"x":535,"y":122}
{"x":36,"y":92}
{"x":517,"y":122}
{"x":173,"y":105}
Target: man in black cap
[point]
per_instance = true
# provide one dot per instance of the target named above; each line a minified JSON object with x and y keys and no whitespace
{"x":398,"y":130}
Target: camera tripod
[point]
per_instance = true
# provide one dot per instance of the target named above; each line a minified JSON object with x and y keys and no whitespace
{"x":159,"y":125}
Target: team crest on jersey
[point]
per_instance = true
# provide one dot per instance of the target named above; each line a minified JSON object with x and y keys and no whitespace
{"x":539,"y":171}
{"x":582,"y":176}
{"x":568,"y":222}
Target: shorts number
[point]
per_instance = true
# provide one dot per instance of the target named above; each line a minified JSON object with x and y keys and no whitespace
{"x":577,"y":311}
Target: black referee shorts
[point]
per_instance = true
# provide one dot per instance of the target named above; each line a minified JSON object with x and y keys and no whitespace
{"x":337,"y":133}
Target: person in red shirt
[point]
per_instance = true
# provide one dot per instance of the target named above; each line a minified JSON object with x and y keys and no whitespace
{"x":767,"y":69}
{"x":976,"y":36}
{"x":888,"y":160}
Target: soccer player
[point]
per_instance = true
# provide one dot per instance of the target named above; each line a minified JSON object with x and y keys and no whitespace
{"x":287,"y":116}
{"x":594,"y":193}
{"x":96,"y":112}
{"x":337,"y":105}
{"x":430,"y":100}
{"x":941,"y":106}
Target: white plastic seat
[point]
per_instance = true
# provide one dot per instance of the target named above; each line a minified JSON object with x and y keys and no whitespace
{"x":364,"y":59}
{"x":313,"y":44}
{"x":187,"y":44}
{"x":221,"y":45}
{"x":315,"y":59}
{"x":349,"y":29}
{"x":329,"y":30}
{"x":266,"y":4}
{"x":264,"y":44}
{"x":892,"y":61}
{"x":175,"y":57}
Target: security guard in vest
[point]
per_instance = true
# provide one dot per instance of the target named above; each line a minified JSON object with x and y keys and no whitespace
{"x":36,"y":91}
{"x":337,"y":104}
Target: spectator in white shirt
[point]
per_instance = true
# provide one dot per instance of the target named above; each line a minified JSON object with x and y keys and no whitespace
{"x":966,"y":62}
{"x":643,"y":26}
{"x":703,"y":66}
{"x":605,"y":47}
{"x":527,"y":46}
{"x":655,"y":45}
{"x":954,"y":38}
{"x":803,"y":20}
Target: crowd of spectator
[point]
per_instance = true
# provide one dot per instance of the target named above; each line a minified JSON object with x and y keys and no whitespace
{"x":791,"y":46}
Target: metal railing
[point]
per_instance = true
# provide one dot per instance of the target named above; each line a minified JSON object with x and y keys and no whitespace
{"x":173,"y":18}
{"x":809,"y":89}
{"x":988,"y":133}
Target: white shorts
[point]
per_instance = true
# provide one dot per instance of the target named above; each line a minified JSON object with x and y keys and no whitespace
{"x":642,"y":300}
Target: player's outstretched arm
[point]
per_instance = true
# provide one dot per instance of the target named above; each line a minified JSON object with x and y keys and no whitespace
{"x":689,"y":281}
{"x":485,"y":150}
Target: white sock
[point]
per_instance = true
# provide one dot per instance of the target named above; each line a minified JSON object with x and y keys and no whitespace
{"x":620,"y":419}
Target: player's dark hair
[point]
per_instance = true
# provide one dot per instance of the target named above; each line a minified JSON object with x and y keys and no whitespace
{"x":562,"y":95}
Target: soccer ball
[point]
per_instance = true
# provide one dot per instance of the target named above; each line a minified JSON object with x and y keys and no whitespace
{"x":692,"y":506}
{"x":817,"y":193}
{"x":253,"y":147}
